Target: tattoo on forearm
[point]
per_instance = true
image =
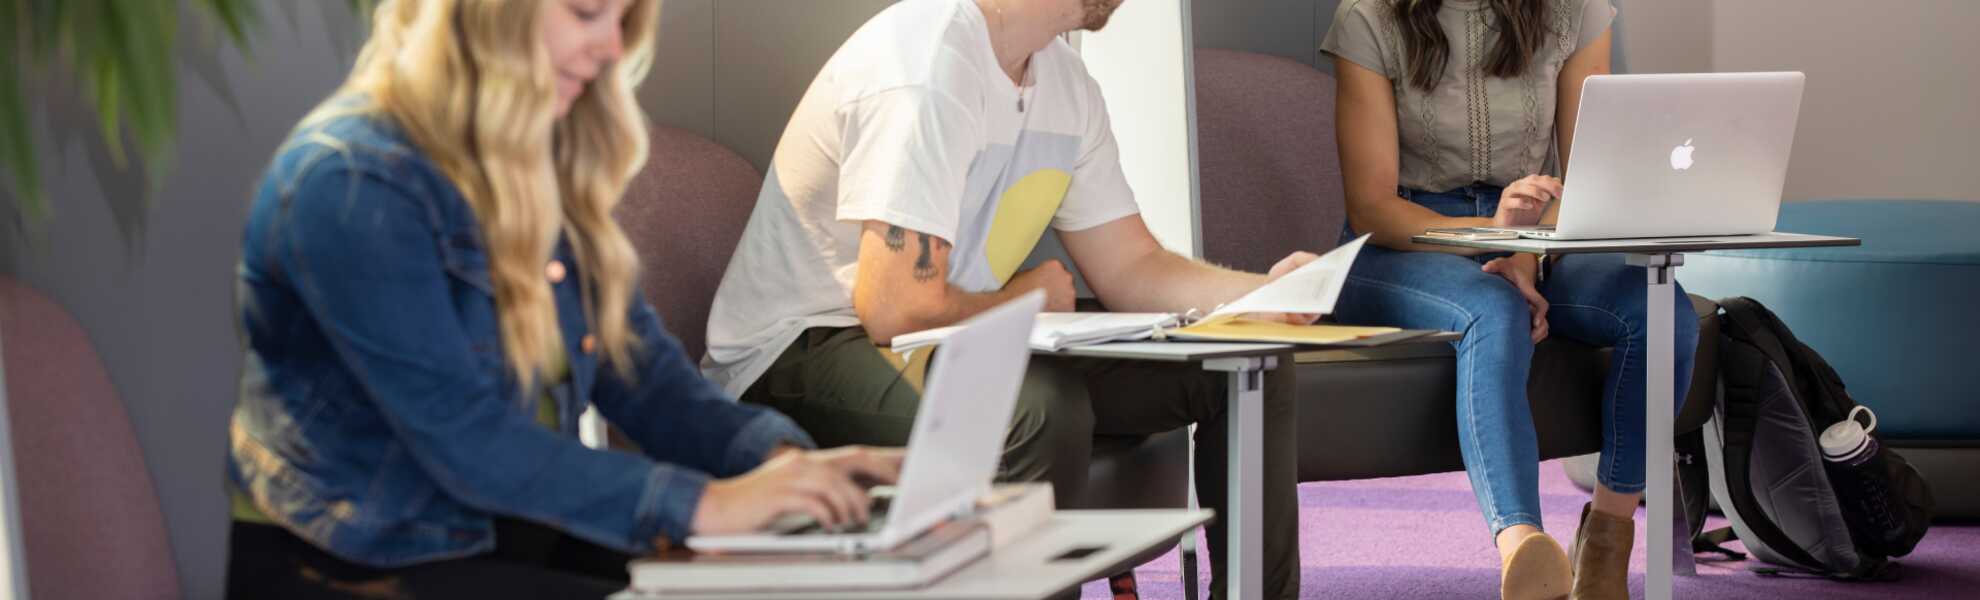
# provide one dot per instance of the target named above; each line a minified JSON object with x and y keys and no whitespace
{"x":896,"y":238}
{"x":924,"y":265}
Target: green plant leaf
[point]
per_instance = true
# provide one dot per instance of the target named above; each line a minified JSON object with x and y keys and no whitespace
{"x":16,"y":140}
{"x":235,"y":16}
{"x":363,"y":8}
{"x":123,"y":58}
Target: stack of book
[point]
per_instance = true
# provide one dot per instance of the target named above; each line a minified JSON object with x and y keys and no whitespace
{"x":1008,"y":513}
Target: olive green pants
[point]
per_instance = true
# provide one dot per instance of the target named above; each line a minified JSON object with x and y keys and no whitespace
{"x":844,"y":390}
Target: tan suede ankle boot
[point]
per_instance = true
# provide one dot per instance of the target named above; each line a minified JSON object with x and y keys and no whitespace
{"x":1536,"y":569}
{"x":1601,"y":555}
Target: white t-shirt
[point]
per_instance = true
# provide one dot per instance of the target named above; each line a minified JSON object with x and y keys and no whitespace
{"x":913,"y":123}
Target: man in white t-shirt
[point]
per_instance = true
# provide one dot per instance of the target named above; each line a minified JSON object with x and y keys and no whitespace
{"x":914,"y":178}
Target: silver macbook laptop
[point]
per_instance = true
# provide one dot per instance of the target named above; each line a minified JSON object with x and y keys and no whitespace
{"x":1677,"y":155}
{"x":952,"y":452}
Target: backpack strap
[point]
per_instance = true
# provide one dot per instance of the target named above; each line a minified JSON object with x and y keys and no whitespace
{"x":1755,"y":325}
{"x":1714,"y":541}
{"x":1815,"y":382}
{"x":1882,"y":570}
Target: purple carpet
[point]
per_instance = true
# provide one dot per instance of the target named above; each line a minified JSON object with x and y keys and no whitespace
{"x":1422,"y":537}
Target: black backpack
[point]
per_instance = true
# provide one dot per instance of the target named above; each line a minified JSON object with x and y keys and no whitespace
{"x":1765,"y":471}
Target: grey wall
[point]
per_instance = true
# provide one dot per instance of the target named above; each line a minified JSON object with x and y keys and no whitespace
{"x":1288,"y":28}
{"x":1889,"y":111}
{"x":733,"y":70}
{"x":152,"y":284}
{"x":1668,"y":36}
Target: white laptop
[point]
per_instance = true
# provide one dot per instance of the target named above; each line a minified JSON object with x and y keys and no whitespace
{"x":1677,"y":155}
{"x":952,"y":452}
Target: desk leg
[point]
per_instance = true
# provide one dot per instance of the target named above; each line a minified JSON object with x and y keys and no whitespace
{"x":1662,"y":556}
{"x":1246,"y":477}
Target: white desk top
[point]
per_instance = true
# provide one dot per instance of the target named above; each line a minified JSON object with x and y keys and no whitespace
{"x":1648,"y":245}
{"x":1026,"y":569}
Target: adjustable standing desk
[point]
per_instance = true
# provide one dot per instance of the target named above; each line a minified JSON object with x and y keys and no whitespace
{"x":1659,"y":257}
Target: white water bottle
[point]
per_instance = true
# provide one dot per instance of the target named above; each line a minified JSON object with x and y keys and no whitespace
{"x":1860,"y":480}
{"x":1848,"y":441}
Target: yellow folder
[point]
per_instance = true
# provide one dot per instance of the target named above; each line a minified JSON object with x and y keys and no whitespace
{"x":1239,"y":329}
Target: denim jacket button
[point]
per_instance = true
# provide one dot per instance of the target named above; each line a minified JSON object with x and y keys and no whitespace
{"x":555,"y":270}
{"x":588,"y":343}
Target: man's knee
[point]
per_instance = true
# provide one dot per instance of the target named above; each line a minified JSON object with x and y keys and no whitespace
{"x":1051,"y":435}
{"x":1053,"y":408}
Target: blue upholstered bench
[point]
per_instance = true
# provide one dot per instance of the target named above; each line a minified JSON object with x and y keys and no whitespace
{"x":1898,"y":317}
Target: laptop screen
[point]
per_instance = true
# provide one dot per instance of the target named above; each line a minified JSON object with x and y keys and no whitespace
{"x":966,"y":408}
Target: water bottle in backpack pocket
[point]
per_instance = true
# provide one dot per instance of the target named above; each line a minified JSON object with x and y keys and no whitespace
{"x":1862,"y":482}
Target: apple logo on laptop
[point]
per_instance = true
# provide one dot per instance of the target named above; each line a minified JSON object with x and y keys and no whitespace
{"x":1681,"y":156}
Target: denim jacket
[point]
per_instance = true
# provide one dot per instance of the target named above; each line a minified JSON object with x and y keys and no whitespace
{"x":377,"y":416}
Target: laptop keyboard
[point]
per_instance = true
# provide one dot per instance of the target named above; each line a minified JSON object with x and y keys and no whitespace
{"x":803,"y":524}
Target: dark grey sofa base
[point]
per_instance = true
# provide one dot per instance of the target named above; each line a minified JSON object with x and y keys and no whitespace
{"x":1391,"y":412}
{"x":1950,"y":469}
{"x":1947,"y":467}
{"x":1386,"y":418}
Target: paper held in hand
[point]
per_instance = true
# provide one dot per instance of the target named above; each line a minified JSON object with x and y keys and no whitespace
{"x":1311,"y":289}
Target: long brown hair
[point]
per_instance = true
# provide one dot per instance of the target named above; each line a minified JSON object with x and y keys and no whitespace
{"x":1521,"y":25}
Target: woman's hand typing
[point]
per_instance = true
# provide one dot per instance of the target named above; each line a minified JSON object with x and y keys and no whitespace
{"x":825,"y":484}
{"x":1525,"y":201}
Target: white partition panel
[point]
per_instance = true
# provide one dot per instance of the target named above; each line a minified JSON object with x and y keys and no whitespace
{"x":1142,"y":60}
{"x":13,"y":553}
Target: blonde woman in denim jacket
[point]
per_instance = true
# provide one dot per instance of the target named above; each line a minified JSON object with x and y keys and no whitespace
{"x":432,"y":288}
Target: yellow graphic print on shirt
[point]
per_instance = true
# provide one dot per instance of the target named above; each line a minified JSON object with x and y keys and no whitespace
{"x":1023,"y":213}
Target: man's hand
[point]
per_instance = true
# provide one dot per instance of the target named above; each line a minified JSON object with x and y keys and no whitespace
{"x":1522,"y":270}
{"x":1050,"y":276}
{"x":825,"y":484}
{"x":1292,"y":262}
{"x":1525,"y":201}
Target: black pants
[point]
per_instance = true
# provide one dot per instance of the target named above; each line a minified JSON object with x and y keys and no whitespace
{"x":529,"y":561}
{"x":843,"y":390}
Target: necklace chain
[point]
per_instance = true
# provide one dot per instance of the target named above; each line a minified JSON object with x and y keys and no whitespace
{"x":999,"y":6}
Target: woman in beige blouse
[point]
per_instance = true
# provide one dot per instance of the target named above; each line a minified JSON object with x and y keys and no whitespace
{"x":1456,"y":113}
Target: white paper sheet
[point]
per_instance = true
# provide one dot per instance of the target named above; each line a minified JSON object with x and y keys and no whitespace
{"x":1057,"y":331}
{"x":1308,"y":290}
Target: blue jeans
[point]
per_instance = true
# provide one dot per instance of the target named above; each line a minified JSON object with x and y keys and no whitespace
{"x":1593,"y":298}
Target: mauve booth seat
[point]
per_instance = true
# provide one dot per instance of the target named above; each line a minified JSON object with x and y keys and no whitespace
{"x":90,"y":520}
{"x":1270,"y":174}
{"x":1898,"y":318}
{"x":684,"y":213}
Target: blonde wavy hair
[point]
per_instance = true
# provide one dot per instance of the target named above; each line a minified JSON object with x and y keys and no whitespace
{"x":471,"y":83}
